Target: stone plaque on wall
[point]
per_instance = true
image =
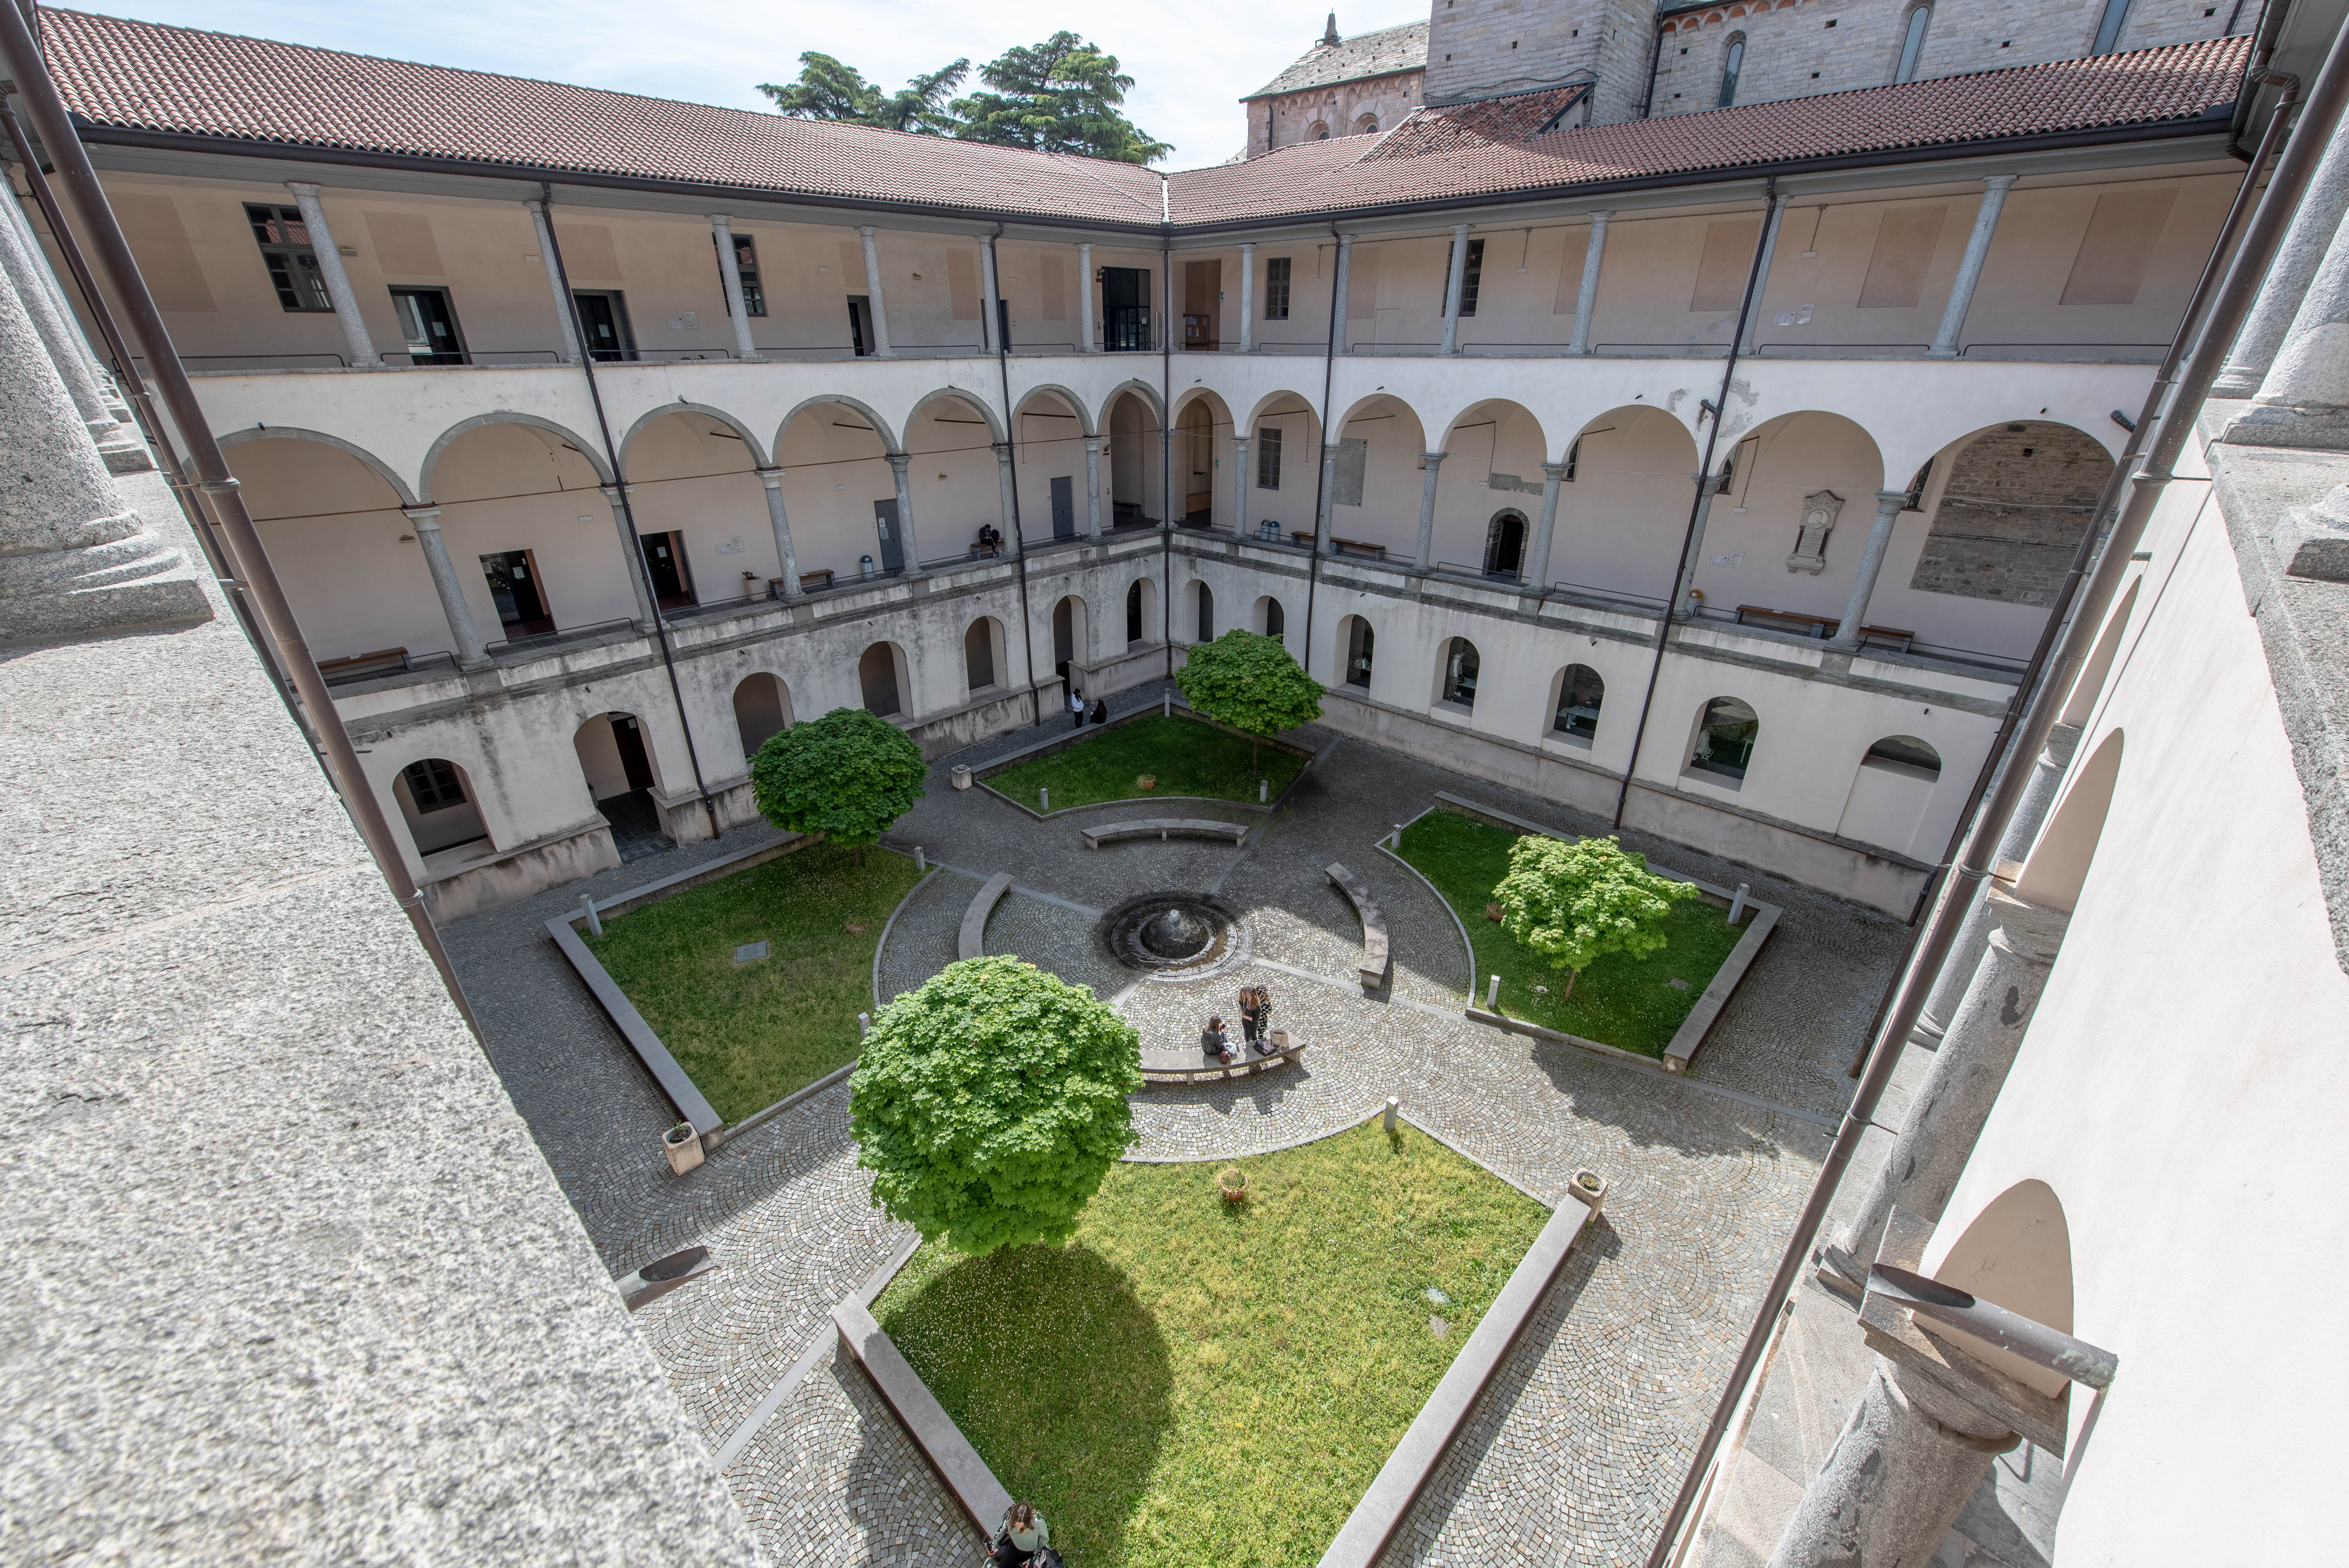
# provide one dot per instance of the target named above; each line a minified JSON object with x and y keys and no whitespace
{"x":1820,"y":509}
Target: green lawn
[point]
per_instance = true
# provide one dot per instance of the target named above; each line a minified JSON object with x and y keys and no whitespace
{"x":1183,"y":1384}
{"x":748,"y":1033}
{"x":1621,"y":1001}
{"x":1186,"y":757}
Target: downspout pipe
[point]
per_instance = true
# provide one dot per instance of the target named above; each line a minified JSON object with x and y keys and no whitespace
{"x":2231,"y":302}
{"x":20,"y":58}
{"x":1010,"y":424}
{"x":1166,"y":455}
{"x":1704,"y":480}
{"x":1329,"y":371}
{"x":1655,"y":62}
{"x":628,"y":512}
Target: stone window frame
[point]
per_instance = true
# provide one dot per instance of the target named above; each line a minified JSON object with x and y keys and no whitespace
{"x":1914,"y":29}
{"x":1732,"y":66}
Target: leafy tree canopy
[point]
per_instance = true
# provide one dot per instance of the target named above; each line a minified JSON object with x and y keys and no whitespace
{"x":828,"y":89}
{"x":990,"y":1104}
{"x":847,"y":776}
{"x":1575,"y":902}
{"x":1250,"y":682}
{"x":1059,"y":96}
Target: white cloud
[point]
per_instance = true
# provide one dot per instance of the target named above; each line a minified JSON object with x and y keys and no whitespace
{"x":1190,"y":65}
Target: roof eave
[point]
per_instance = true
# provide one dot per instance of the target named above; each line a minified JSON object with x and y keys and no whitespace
{"x":1333,"y":82}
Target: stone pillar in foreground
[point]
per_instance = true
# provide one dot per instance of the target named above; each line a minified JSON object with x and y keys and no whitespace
{"x":2321,"y":209}
{"x":1969,"y":266}
{"x":787,"y":560}
{"x":1239,"y":485}
{"x":2304,"y":399}
{"x":1093,"y":487}
{"x":1008,"y":499}
{"x":69,"y":353}
{"x":632,"y":556}
{"x":73,"y":560}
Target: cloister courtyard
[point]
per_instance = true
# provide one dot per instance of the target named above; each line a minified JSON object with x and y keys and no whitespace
{"x":1575,"y":1450}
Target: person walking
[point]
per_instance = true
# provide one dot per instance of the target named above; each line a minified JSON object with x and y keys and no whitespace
{"x":1258,"y":1013}
{"x":1022,"y":1538}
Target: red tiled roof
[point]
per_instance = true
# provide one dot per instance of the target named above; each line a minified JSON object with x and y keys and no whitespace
{"x":1456,"y":126}
{"x":138,"y":77}
{"x":1379,"y":54}
{"x":2185,"y":82}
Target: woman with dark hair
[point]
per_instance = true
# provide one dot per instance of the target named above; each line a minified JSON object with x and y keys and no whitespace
{"x":1022,"y":1538}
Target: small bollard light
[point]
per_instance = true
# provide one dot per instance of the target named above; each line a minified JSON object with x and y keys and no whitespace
{"x":587,"y":904}
{"x":1398,"y":838}
{"x":863,"y":1025}
{"x":1263,"y":788}
{"x":921,"y":861}
{"x":1166,"y":710}
{"x":1492,"y":993}
{"x":1044,"y":795}
{"x":1392,"y":1104}
{"x":1737,"y":904}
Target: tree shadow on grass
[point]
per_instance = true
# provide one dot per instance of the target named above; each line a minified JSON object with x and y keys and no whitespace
{"x":1059,"y":1376}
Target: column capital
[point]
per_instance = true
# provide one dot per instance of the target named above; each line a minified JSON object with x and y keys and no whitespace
{"x":868,"y":230}
{"x":1002,"y":451}
{"x":535,"y":204}
{"x":1891,"y":499}
{"x":612,"y":493}
{"x":1331,"y":449}
{"x":899,"y":461}
{"x":1240,"y":441}
{"x":422,"y":516}
{"x":1999,"y":182}
{"x":1094,"y":443}
{"x":722,"y":220}
{"x":771,"y":478}
{"x":1431,"y":459}
{"x":302,"y":186}
{"x":2027,"y":933}
{"x":1600,"y":214}
{"x":1461,"y":229}
{"x":1553,"y":470}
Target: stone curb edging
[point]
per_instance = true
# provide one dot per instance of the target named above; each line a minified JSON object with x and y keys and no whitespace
{"x":967,"y":1476}
{"x":1220,"y":1073}
{"x":690,"y":1103}
{"x":757,"y":1119}
{"x":1466,"y":947}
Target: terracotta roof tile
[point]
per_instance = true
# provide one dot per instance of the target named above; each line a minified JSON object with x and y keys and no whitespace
{"x":1379,"y":54}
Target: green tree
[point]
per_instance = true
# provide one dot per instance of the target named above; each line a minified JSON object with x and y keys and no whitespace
{"x":990,"y":1104}
{"x":829,"y":89}
{"x":1575,"y":902}
{"x":847,"y":776}
{"x":1059,"y":96}
{"x":1251,"y":684}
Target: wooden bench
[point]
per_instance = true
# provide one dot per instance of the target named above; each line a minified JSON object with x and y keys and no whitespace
{"x":1356,"y":547}
{"x":971,"y":941}
{"x":361,"y":666}
{"x":1376,"y":955}
{"x":1821,"y":626}
{"x":815,"y":582}
{"x":1208,"y":1071}
{"x":1162,"y":827}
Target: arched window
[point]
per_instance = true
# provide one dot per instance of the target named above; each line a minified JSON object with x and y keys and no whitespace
{"x":1460,"y":663}
{"x":762,"y":708}
{"x":876,"y":675}
{"x":1912,"y":44}
{"x":1206,"y":613}
{"x":1068,"y":633}
{"x":439,"y":810}
{"x":1725,"y":738}
{"x":1581,"y":694}
{"x":1505,"y":546}
{"x":1273,"y":619}
{"x":1731,"y":64}
{"x":1907,"y":751}
{"x":1317,"y":131}
{"x":1362,"y":643}
{"x":1366,"y":126}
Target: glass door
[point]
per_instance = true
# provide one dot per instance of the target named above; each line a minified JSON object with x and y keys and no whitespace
{"x":430,"y":325}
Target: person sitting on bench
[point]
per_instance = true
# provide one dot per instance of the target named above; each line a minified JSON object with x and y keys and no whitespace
{"x":1022,"y":1537}
{"x":1215,"y":1042}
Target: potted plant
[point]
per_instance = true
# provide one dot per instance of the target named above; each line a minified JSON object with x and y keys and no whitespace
{"x":1232,"y":1182}
{"x":1147,"y":781}
{"x":683,"y":1147}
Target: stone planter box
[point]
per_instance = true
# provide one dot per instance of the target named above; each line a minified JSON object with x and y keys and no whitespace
{"x":682,"y":1144}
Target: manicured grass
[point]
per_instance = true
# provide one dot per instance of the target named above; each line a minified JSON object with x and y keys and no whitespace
{"x":748,"y":1033}
{"x":1186,"y":757}
{"x":1621,"y":1001}
{"x":1184,"y":1383}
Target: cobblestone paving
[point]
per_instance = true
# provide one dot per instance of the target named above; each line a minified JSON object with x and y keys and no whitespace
{"x":1572,"y":1455}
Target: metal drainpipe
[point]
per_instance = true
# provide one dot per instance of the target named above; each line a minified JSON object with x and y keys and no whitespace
{"x":1166,"y":462}
{"x":1011,"y":422}
{"x":1655,"y":59}
{"x":21,"y":58}
{"x":1696,"y":501}
{"x":1329,"y":367}
{"x":2230,"y":303}
{"x":628,"y":512}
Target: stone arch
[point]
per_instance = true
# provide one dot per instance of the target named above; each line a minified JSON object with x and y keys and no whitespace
{"x":955,"y":394}
{"x":889,"y":441}
{"x":2004,"y":510}
{"x":2016,"y":1253}
{"x":1085,"y":421}
{"x":1269,"y":617}
{"x":1891,"y":787}
{"x":1201,"y":604}
{"x":1317,"y":131}
{"x":1368,"y":125}
{"x":1071,"y":634}
{"x":1203,"y":431}
{"x":1284,"y":430}
{"x":2057,"y":870}
{"x":1357,"y":650}
{"x":1141,"y":612}
{"x":1132,"y":491}
{"x":447,"y":438}
{"x":882,"y":680}
{"x":1623,"y":501}
{"x":1137,"y":387}
{"x":381,"y":469}
{"x":699,"y":506}
{"x":751,"y":443}
{"x":1276,"y":401}
{"x":837,"y":481}
{"x":1050,"y":428}
{"x":1459,"y":666}
{"x":436,"y":801}
{"x":762,"y":709}
{"x":984,"y":663}
{"x":1496,"y":448}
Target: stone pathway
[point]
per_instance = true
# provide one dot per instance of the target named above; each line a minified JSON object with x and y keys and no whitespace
{"x":1574,"y":1453}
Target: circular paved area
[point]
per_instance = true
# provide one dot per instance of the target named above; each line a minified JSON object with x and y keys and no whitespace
{"x":1573,"y":1454}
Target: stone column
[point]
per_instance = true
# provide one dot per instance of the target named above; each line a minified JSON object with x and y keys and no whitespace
{"x":1007,"y":499}
{"x":1587,"y":300}
{"x":632,"y":555}
{"x":2321,"y":207}
{"x":1947,"y":1113}
{"x":729,"y":271}
{"x":899,"y":462}
{"x":787,"y":560}
{"x":2022,"y":832}
{"x":115,"y":404}
{"x":427,"y":521}
{"x":1969,"y":266}
{"x":875,"y":308}
{"x":330,"y":268}
{"x":1871,"y":565}
{"x":1906,"y":1464}
{"x":1751,"y":327}
{"x":68,"y":355}
{"x":1425,"y":553}
{"x":1328,"y":497}
{"x":1538,"y":562}
{"x":1085,"y":300}
{"x":1248,"y":299}
{"x":990,"y":315}
{"x":73,"y":560}
{"x":2304,"y":400}
{"x":1239,"y":485}
{"x":1092,"y":487}
{"x":1454,"y":287}
{"x":567,"y":314}
{"x":1708,"y":486}
{"x":1338,"y":291}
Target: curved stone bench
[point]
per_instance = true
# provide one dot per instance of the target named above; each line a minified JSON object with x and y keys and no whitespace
{"x":1376,"y":955}
{"x":1162,"y":827}
{"x":971,"y":941}
{"x":1209,"y":1071}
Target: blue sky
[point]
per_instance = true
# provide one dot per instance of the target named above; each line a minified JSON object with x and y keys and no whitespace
{"x":1190,"y":64}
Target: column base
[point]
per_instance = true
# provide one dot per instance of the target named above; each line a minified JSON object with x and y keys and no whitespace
{"x":132,"y":580}
{"x":2272,"y":425}
{"x":475,"y":666}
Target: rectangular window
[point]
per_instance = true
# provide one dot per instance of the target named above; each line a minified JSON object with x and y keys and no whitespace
{"x":746,"y":262}
{"x":1267,"y":459}
{"x":432,"y":785}
{"x":1472,"y":277}
{"x":285,"y":241}
{"x":430,"y":325}
{"x":1275,"y":289}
